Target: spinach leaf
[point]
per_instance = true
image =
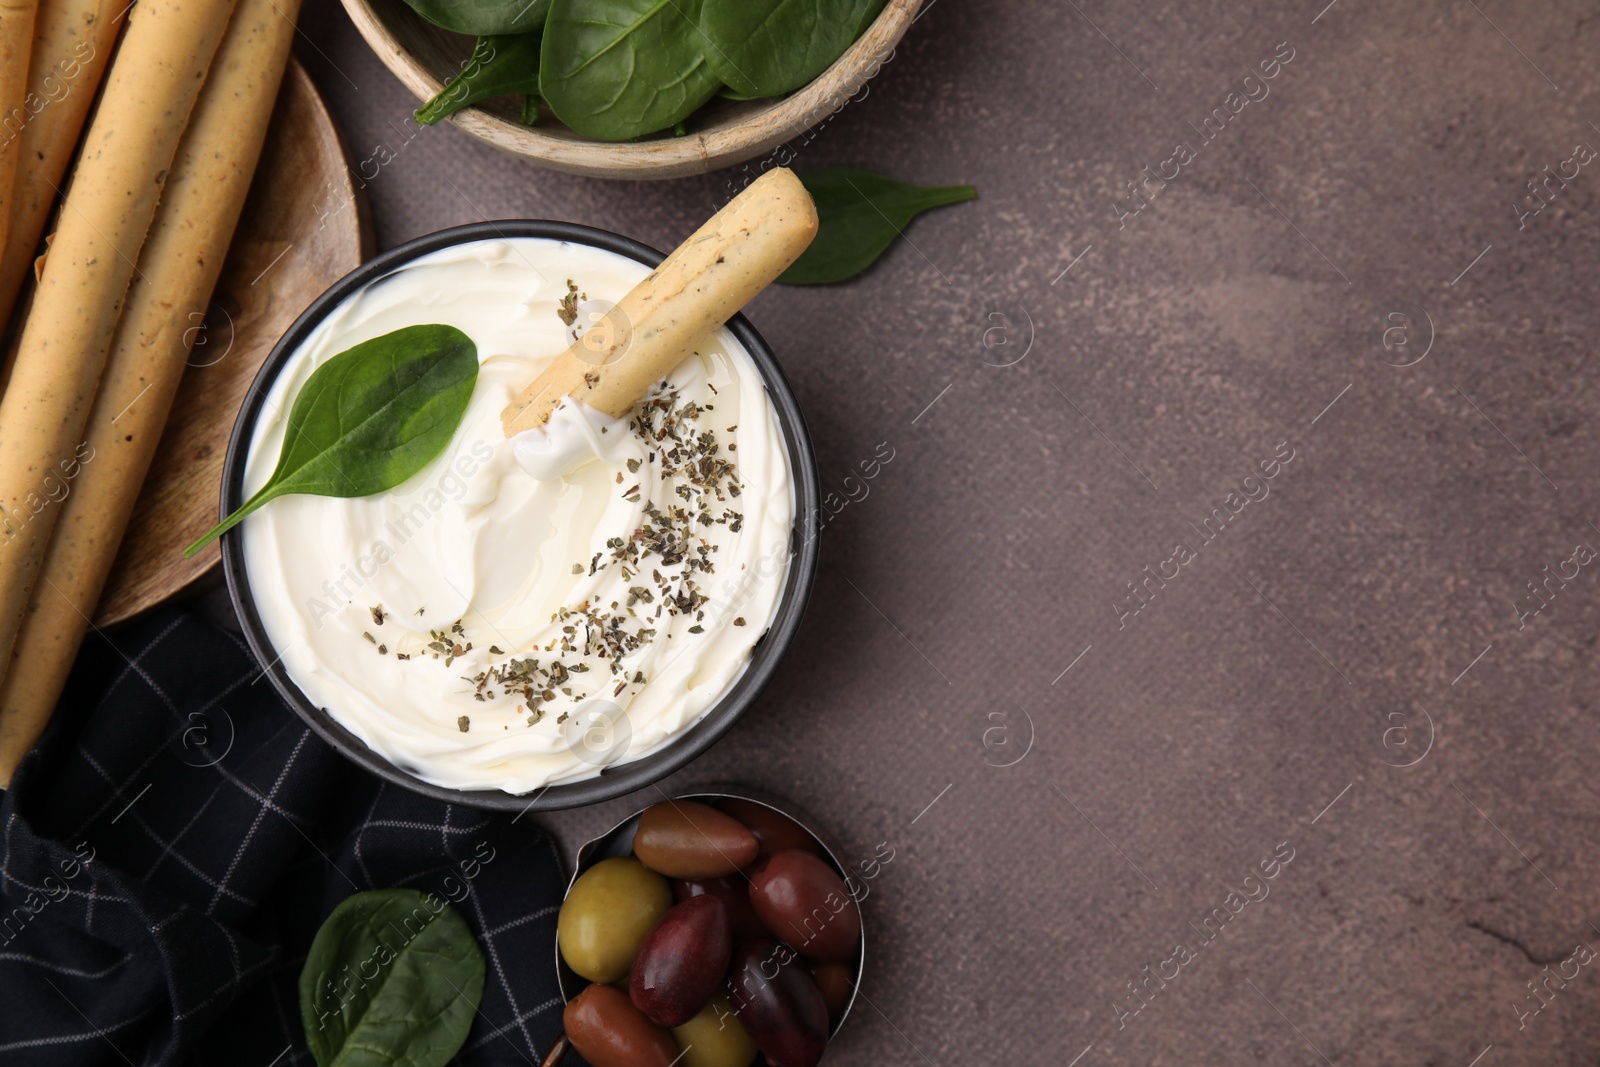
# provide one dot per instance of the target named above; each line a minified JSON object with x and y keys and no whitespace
{"x":617,"y":69}
{"x":501,"y":64}
{"x":393,"y":979}
{"x":859,"y":214}
{"x":480,"y":17}
{"x":370,"y":418}
{"x":770,"y":47}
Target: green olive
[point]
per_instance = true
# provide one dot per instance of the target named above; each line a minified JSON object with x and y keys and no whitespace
{"x":607,"y":913}
{"x":715,"y":1037}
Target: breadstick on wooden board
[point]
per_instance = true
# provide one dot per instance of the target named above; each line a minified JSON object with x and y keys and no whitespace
{"x":72,"y":43}
{"x":178,"y":270}
{"x":16,"y":45}
{"x":149,"y":93}
{"x":701,"y":285}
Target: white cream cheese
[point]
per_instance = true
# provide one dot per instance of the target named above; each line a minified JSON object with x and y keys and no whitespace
{"x":533,"y":630}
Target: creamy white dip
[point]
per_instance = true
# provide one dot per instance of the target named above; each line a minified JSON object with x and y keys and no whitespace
{"x":533,"y":630}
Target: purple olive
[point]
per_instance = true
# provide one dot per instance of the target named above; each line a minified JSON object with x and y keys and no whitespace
{"x":834,"y":979}
{"x":774,"y":830}
{"x":804,"y":901}
{"x":682,"y":961}
{"x":778,"y":1001}
{"x":735,"y":895}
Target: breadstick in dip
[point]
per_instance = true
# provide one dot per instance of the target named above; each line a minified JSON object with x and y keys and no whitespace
{"x":72,"y":43}
{"x":141,"y":115}
{"x":701,"y":285}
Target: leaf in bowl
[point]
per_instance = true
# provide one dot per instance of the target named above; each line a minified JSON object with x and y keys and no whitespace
{"x":393,"y":979}
{"x":501,"y":65}
{"x":370,"y":417}
{"x":859,"y":214}
{"x":618,"y":69}
{"x":481,"y":17}
{"x":770,"y":47}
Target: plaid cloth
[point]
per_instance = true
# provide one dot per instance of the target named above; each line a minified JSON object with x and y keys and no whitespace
{"x":171,"y":847}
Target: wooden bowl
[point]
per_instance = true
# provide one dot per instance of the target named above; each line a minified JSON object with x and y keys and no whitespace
{"x":724,"y":132}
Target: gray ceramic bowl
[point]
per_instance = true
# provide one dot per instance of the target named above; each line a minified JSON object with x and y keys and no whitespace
{"x":618,"y":841}
{"x":620,"y":778}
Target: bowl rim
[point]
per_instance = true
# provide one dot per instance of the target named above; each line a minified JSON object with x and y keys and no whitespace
{"x":619,"y":779}
{"x":723,"y":145}
{"x":603,"y":846}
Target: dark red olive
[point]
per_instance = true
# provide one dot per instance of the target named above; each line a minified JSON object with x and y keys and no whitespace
{"x":834,"y":979}
{"x":778,"y":1001}
{"x":682,"y":961}
{"x":774,"y":830}
{"x":682,"y":839}
{"x":803,"y":900}
{"x":734,"y":892}
{"x":608,"y":1031}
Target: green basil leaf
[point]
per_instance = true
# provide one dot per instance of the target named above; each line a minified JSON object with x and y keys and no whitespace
{"x":770,"y":47}
{"x":501,"y":65}
{"x":618,"y":69}
{"x":393,"y":979}
{"x":482,"y":17}
{"x":530,"y":109}
{"x":370,"y":418}
{"x":859,"y":214}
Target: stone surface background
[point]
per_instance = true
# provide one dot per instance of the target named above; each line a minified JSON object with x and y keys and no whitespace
{"x":1343,"y":669}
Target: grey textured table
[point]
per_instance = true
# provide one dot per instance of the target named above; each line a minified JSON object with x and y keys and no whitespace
{"x":1345,"y":657}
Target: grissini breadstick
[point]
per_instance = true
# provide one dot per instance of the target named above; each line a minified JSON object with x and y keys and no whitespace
{"x":149,"y":93}
{"x":72,"y":43}
{"x":178,"y":270}
{"x":16,"y":42}
{"x":701,"y":285}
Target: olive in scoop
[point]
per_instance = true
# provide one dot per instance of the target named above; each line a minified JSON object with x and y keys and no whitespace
{"x":834,"y":981}
{"x":682,"y":961}
{"x":802,"y":900}
{"x":779,"y":1003}
{"x":609,"y":911}
{"x":608,"y":1031}
{"x":734,"y":892}
{"x":682,"y":839}
{"x":715,"y":1037}
{"x":774,"y":830}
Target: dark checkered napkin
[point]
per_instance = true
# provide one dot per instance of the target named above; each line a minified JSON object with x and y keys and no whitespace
{"x":171,"y":847}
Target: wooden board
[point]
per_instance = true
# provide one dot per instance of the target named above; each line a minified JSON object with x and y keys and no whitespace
{"x":304,"y":227}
